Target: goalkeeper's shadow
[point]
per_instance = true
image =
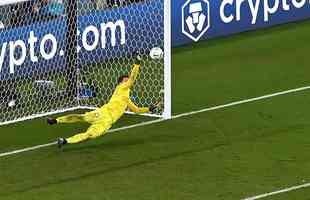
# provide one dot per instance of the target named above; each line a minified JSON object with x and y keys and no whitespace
{"x":126,"y":142}
{"x":89,"y":145}
{"x":115,"y":169}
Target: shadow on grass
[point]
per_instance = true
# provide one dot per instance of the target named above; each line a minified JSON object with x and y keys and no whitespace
{"x":111,"y":170}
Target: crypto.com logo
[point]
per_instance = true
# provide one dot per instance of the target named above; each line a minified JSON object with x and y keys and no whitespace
{"x":195,"y":18}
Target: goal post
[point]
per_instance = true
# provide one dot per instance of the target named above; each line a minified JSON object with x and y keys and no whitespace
{"x":167,"y":60}
{"x":67,"y":55}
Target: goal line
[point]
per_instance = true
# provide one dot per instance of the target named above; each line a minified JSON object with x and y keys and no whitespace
{"x":64,"y":111}
{"x":5,"y":154}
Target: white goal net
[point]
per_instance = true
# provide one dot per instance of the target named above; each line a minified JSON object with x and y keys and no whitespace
{"x":62,"y":55}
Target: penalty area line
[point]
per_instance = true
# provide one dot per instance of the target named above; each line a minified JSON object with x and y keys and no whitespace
{"x":27,"y":149}
{"x":5,"y":154}
{"x":297,"y":187}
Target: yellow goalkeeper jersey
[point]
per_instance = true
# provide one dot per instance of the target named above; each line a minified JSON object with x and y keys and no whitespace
{"x":120,"y":99}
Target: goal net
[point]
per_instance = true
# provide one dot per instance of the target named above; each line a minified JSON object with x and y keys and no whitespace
{"x":63,"y":55}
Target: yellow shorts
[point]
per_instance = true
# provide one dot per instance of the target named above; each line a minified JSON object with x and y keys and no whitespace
{"x":101,"y":122}
{"x":97,"y":117}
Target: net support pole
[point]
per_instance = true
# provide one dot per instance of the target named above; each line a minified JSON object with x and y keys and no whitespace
{"x":167,"y":59}
{"x":71,"y":48}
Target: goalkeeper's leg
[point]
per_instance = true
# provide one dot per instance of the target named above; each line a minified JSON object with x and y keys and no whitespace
{"x":94,"y":131}
{"x":89,"y":117}
{"x":67,"y":119}
{"x":71,"y":118}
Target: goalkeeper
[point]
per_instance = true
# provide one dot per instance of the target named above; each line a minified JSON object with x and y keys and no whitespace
{"x":102,"y":118}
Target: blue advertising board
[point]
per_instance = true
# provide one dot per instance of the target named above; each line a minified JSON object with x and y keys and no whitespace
{"x":195,"y":20}
{"x":104,"y":34}
{"x":41,"y":47}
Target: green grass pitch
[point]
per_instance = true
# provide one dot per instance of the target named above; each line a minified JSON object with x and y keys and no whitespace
{"x":225,"y":154}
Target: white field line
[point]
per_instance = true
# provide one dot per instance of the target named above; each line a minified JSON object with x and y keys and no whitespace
{"x":59,"y":112}
{"x":278,"y":192}
{"x":40,"y":115}
{"x":27,"y":149}
{"x":5,"y":154}
{"x":242,"y":102}
{"x":127,"y":112}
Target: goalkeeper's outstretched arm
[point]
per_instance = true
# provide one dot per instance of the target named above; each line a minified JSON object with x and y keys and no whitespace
{"x":133,"y":76}
{"x":134,"y":108}
{"x":134,"y":72}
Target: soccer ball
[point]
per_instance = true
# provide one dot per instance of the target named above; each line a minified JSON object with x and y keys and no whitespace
{"x":156,"y":53}
{"x":12,"y":103}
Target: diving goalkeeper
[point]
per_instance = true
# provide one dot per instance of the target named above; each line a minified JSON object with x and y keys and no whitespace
{"x":101,"y":119}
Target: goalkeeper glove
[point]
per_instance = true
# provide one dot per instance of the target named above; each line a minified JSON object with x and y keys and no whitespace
{"x":152,"y":108}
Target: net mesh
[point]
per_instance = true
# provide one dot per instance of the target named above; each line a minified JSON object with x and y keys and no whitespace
{"x":45,"y":67}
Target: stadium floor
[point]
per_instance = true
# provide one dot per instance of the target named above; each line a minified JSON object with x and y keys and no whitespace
{"x":230,"y":153}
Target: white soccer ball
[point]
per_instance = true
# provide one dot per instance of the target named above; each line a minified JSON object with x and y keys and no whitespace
{"x":156,"y":53}
{"x":12,"y":103}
